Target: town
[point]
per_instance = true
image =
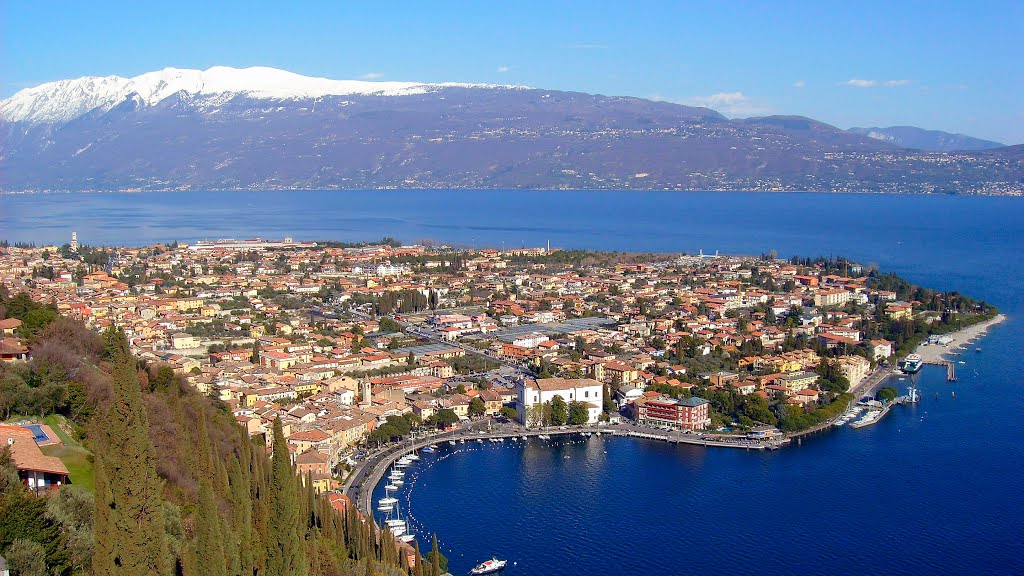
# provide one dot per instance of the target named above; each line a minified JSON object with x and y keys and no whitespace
{"x":354,"y":347}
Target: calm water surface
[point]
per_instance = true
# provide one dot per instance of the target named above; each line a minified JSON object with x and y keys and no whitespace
{"x":932,"y":489}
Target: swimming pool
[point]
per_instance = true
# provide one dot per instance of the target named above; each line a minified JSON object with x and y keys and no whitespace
{"x":37,"y":432}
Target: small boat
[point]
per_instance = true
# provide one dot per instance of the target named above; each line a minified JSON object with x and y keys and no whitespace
{"x":412,"y":457}
{"x":406,"y":538}
{"x":388,"y":500}
{"x":451,"y":442}
{"x":396,"y":475}
{"x":385,"y":507}
{"x":429,"y":449}
{"x":480,"y":440}
{"x":434,"y":446}
{"x":396,"y":482}
{"x":488,"y":567}
{"x":397,"y":530}
{"x":390,"y":488}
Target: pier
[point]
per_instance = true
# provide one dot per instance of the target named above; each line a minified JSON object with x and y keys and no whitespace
{"x":950,"y":368}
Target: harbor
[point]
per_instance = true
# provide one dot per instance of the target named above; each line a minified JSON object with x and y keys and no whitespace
{"x":362,"y":481}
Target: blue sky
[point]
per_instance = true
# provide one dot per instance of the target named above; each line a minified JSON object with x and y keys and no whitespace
{"x":954,"y":66}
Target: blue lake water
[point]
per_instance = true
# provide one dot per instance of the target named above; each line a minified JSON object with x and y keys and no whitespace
{"x":932,"y":489}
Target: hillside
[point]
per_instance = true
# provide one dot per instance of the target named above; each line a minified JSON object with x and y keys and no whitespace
{"x":268,"y":129}
{"x":179,"y":487}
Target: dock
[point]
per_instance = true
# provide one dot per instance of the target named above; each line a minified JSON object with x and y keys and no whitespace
{"x":950,"y":368}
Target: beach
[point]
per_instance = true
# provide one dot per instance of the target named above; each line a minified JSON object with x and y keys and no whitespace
{"x":935,"y":353}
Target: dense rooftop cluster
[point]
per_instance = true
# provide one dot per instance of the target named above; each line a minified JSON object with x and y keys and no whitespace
{"x":356,"y":344}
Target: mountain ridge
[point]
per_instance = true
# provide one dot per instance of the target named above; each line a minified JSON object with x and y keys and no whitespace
{"x":929,"y":140}
{"x":263,"y":128}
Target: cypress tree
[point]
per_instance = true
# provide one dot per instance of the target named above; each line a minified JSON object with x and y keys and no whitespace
{"x":103,"y":523}
{"x":285,"y":545}
{"x":135,"y":543}
{"x":418,"y":568}
{"x":209,"y":539}
{"x":241,"y":509}
{"x":435,"y":559}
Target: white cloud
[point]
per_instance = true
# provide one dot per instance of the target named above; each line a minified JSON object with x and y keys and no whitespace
{"x":730,"y":103}
{"x":371,"y":76}
{"x":503,"y":69}
{"x":861,"y":83}
{"x":799,"y":84}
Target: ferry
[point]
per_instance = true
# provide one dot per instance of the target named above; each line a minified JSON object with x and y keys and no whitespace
{"x":488,"y":567}
{"x":912,"y":364}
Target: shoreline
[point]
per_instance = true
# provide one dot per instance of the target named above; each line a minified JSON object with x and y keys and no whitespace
{"x":937,"y":354}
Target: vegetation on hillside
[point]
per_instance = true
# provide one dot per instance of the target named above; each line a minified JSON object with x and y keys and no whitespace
{"x":179,"y":487}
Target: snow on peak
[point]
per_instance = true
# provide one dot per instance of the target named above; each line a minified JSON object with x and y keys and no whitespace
{"x":66,"y":100}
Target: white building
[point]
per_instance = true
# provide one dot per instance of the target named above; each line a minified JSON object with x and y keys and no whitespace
{"x":533,"y":393}
{"x":531,"y":340}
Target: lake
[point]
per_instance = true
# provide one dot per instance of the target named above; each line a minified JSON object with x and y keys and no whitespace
{"x":932,"y":489}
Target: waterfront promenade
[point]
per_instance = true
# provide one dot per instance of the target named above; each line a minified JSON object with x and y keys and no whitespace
{"x":360,"y":484}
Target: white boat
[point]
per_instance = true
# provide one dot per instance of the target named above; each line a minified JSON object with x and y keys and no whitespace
{"x":397,"y":530}
{"x":390,"y":488}
{"x":396,"y":482}
{"x":385,"y":507}
{"x":412,"y":456}
{"x":488,"y":567}
{"x":396,"y":474}
{"x":388,"y":500}
{"x":406,"y":538}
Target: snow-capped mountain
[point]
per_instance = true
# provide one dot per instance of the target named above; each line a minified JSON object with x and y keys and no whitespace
{"x":261,"y":128}
{"x":68,"y":99}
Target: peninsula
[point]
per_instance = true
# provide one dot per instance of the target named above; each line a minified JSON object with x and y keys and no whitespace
{"x":351,"y":352}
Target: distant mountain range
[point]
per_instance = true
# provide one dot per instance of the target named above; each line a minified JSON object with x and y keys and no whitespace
{"x":930,"y":140}
{"x":261,"y":128}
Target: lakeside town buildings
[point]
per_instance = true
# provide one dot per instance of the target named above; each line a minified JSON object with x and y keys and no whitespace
{"x":334,"y":339}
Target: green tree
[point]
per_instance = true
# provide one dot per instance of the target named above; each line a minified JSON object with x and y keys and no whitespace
{"x":578,"y":413}
{"x":129,"y":510}
{"x":477,"y":407}
{"x":444,"y":418}
{"x":887,"y":394}
{"x":508,"y":412}
{"x":210,"y":560}
{"x":26,"y":558}
{"x":559,"y":410}
{"x":438,"y":562}
{"x":72,"y":509}
{"x":285,"y":549}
